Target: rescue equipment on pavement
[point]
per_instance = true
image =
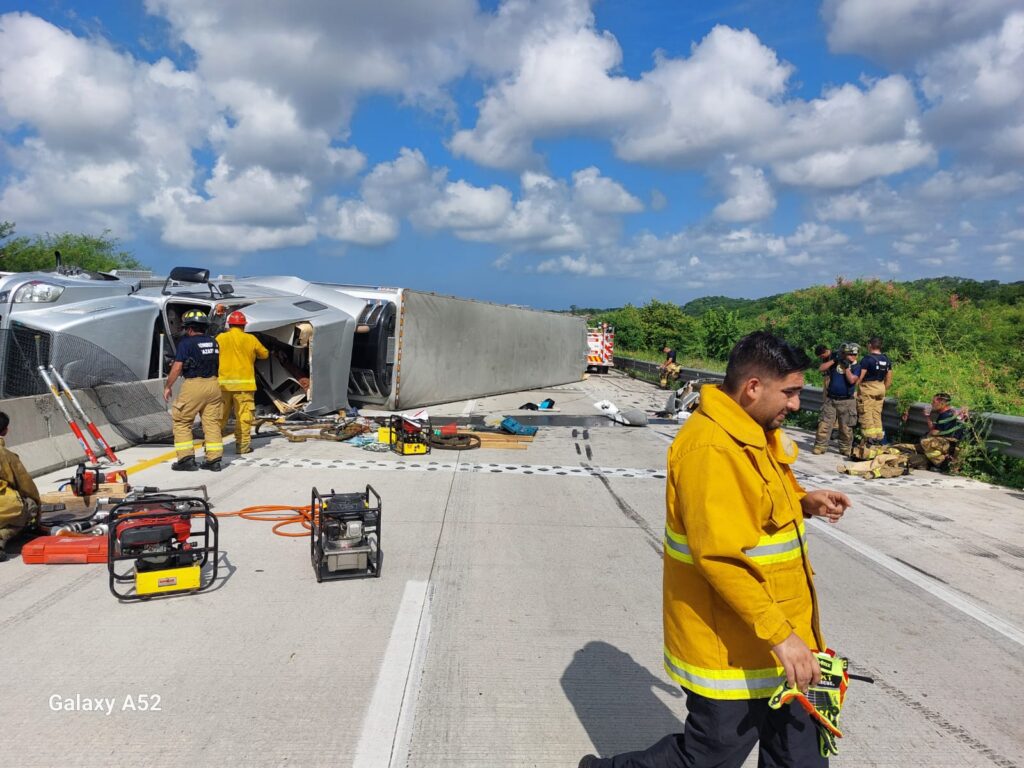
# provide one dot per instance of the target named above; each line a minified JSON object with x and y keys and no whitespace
{"x":409,"y":436}
{"x":87,"y":479}
{"x":49,"y":375}
{"x":824,"y":701}
{"x":345,"y":539}
{"x":168,"y":539}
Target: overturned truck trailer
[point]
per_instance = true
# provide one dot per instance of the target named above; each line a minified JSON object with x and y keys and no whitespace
{"x":331,"y":345}
{"x":411,"y":348}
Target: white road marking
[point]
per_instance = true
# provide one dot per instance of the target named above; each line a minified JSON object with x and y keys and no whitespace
{"x":946,"y":595}
{"x":397,"y":683}
{"x":469,"y":408}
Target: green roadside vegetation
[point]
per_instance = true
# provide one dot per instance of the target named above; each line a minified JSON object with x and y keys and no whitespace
{"x":946,"y":334}
{"x":98,"y":253}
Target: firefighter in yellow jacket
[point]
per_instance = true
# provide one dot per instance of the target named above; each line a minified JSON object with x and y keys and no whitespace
{"x":740,"y":610}
{"x":19,"y":497}
{"x":238,"y":352}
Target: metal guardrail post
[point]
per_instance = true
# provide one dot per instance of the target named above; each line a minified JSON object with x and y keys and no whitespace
{"x":1006,"y":434}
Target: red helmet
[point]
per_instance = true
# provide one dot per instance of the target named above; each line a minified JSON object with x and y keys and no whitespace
{"x":236,"y":318}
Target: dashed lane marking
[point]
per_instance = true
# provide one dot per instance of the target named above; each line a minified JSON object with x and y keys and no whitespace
{"x":372,"y":465}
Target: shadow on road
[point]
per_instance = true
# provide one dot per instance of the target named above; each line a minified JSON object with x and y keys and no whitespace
{"x":614,"y":698}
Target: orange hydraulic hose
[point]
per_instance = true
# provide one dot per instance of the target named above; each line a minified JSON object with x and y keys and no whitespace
{"x":262,"y":514}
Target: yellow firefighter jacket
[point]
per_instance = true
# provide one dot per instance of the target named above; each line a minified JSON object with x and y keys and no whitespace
{"x":238,"y":351}
{"x":735,"y":581}
{"x":15,"y":483}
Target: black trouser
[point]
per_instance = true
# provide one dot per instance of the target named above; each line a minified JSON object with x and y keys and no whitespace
{"x":720,"y":734}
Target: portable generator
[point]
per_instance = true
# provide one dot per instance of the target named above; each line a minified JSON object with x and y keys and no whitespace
{"x":169,"y":540}
{"x":87,"y":479}
{"x":345,"y":539}
{"x":408,"y":437}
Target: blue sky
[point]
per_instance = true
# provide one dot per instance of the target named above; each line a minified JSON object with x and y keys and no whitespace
{"x":541,"y":152}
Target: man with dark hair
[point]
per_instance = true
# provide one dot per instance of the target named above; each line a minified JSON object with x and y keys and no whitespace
{"x":826,"y":362}
{"x":875,"y":380}
{"x":19,"y":497}
{"x":841,"y":405}
{"x":945,"y":431}
{"x":740,"y":612}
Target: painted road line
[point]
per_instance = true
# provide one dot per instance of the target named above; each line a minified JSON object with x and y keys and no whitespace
{"x":395,"y":681}
{"x":469,"y":408}
{"x":950,"y":597}
{"x":165,"y":457}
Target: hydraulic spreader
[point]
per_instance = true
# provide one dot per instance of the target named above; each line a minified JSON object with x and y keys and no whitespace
{"x":168,"y":540}
{"x":345,"y":540}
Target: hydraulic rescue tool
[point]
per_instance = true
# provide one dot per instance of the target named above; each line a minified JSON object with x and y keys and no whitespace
{"x":168,"y":539}
{"x":345,"y":535}
{"x":87,"y":479}
{"x":823,"y":701}
{"x":409,"y":436}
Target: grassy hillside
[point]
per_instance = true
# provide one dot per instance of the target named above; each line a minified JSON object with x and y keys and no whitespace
{"x":944,"y":334}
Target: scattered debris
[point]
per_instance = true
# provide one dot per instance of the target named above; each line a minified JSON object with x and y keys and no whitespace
{"x":630,"y":417}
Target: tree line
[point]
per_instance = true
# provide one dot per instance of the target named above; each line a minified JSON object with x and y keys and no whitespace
{"x":950,"y":334}
{"x":98,"y":253}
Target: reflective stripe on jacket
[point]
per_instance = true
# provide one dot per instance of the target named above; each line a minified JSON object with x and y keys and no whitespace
{"x":238,"y":352}
{"x":735,"y":583}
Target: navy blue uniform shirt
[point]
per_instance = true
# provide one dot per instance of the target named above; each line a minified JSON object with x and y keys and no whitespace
{"x":838,"y":387}
{"x":875,"y":367}
{"x":199,"y":357}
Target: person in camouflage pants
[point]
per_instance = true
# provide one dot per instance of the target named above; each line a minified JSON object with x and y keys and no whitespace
{"x":841,"y":405}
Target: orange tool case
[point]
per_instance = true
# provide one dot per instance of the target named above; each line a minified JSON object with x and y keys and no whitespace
{"x":52,"y":550}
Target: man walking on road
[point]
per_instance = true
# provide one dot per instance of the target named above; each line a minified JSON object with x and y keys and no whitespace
{"x":875,"y":380}
{"x":237,"y":378}
{"x":196,"y":361}
{"x":740,"y":610}
{"x":19,"y":497}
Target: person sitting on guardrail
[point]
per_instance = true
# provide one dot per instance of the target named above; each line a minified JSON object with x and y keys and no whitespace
{"x":19,"y":497}
{"x":945,"y":431}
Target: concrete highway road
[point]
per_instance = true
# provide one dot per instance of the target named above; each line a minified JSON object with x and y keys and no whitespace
{"x":518,"y":618}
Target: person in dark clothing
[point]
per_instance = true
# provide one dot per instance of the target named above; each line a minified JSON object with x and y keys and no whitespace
{"x":196,"y":360}
{"x":826,"y":362}
{"x":875,"y":380}
{"x":945,"y":431}
{"x":669,"y":369}
{"x":841,"y":405}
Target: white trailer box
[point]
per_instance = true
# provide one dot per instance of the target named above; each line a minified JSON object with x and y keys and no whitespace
{"x":437,"y":348}
{"x":455,"y":349}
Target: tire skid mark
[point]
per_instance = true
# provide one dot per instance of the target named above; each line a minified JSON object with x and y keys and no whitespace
{"x":957,"y":732}
{"x":654,"y":541}
{"x":49,"y":600}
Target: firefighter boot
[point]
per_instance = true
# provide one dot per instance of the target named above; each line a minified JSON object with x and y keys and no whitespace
{"x":185,"y":464}
{"x":212,"y":464}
